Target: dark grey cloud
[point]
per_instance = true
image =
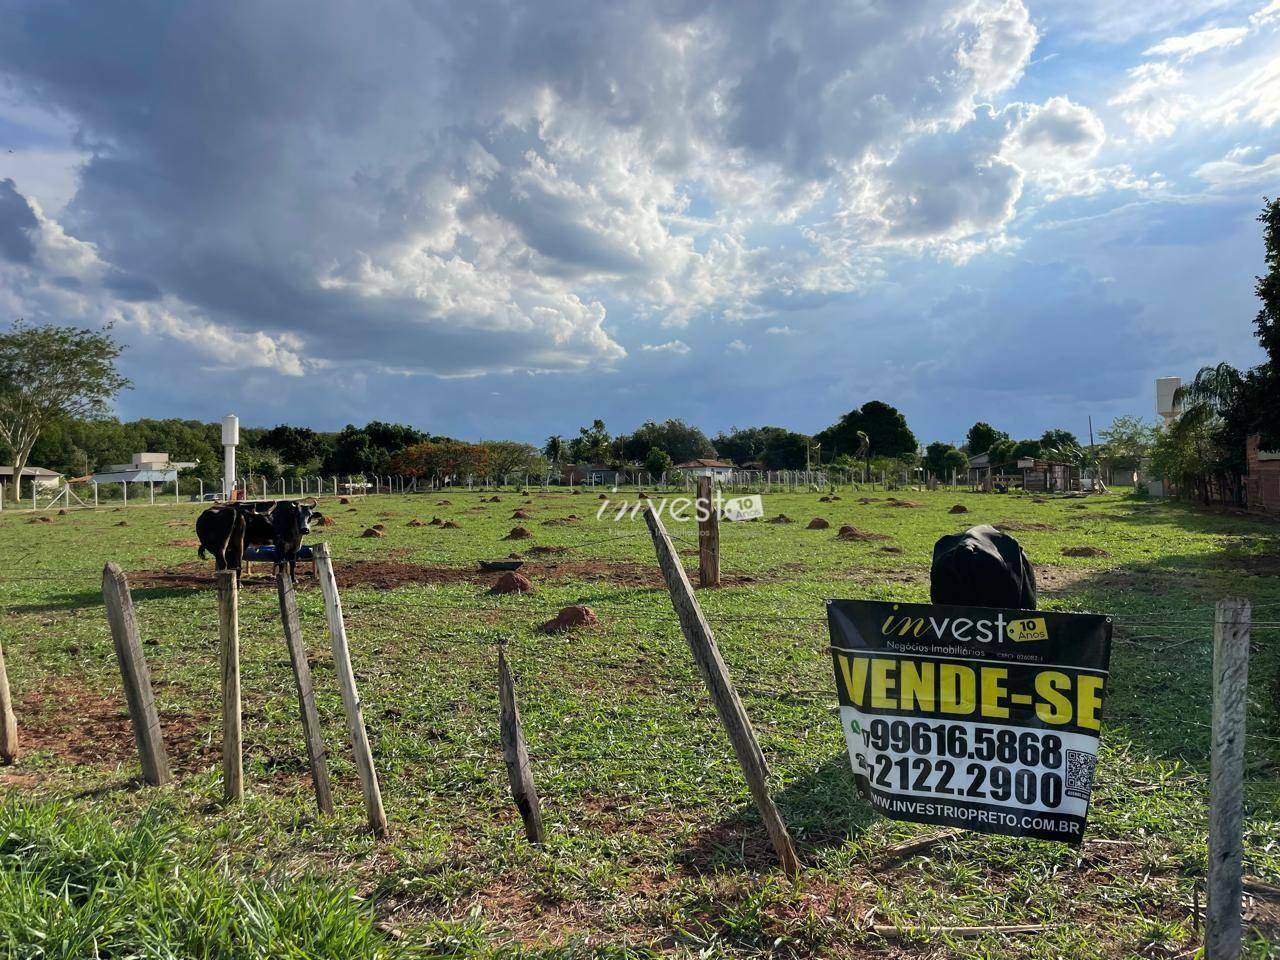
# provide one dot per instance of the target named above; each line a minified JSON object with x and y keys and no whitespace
{"x":17,"y":221}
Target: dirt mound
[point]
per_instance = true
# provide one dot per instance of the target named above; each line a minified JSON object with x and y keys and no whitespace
{"x":853,"y":533}
{"x":415,"y":522}
{"x":344,"y":500}
{"x":571,"y":618}
{"x":817,"y":523}
{"x":388,"y":574}
{"x":602,"y":497}
{"x":959,"y":508}
{"x":41,"y":520}
{"x":1013,"y":526}
{"x":1039,"y":500}
{"x":494,"y":499}
{"x":830,"y":499}
{"x":520,"y":514}
{"x":868,"y":499}
{"x":353,"y":510}
{"x":326,"y":521}
{"x":518,"y":533}
{"x":123,"y":523}
{"x":547,"y":551}
{"x":1084,"y":552}
{"x":451,"y":525}
{"x":382,"y":527}
{"x":62,"y":512}
{"x":895,"y":502}
{"x":443,"y":503}
{"x":780,"y":518}
{"x":1078,"y":506}
{"x":373,"y":532}
{"x":890,"y":549}
{"x":512,"y":582}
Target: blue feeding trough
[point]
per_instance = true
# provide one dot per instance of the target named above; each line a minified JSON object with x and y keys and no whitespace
{"x":267,"y":554}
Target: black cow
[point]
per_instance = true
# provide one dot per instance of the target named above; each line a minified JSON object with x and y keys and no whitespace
{"x":226,"y":530}
{"x":982,"y":567}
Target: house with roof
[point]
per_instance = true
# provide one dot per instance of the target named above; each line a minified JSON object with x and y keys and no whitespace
{"x":704,"y":467}
{"x":46,"y":481}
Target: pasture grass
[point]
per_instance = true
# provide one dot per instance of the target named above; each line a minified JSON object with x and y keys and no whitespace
{"x":653,"y":847}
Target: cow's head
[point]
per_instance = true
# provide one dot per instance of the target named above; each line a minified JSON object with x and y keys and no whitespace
{"x":307,"y":510}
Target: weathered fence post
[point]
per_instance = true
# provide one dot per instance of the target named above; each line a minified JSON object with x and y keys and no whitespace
{"x":8,"y":722}
{"x":229,"y":645}
{"x":514,"y":752}
{"x":708,"y":534}
{"x":350,"y":696}
{"x":1223,"y":926}
{"x":135,"y":676}
{"x":697,"y":632}
{"x":306,"y":692}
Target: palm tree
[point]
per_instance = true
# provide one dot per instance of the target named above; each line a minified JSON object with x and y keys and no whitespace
{"x":553,"y":450}
{"x":1213,"y":391}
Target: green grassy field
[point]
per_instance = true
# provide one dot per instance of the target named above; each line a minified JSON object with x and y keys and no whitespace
{"x":653,"y":847}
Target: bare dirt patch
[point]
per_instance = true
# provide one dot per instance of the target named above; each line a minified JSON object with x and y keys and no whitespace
{"x":67,"y":718}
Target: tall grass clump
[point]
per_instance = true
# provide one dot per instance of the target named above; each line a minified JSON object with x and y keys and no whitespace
{"x":74,"y":886}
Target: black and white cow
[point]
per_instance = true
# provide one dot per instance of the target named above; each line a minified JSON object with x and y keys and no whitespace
{"x":982,"y":567}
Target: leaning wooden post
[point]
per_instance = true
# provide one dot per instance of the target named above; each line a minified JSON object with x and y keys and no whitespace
{"x":229,"y":645}
{"x":697,"y":632}
{"x":708,"y":535}
{"x":350,"y":696}
{"x":135,"y":676}
{"x":306,"y":692}
{"x":8,"y":722}
{"x":1223,"y":927}
{"x":514,"y":752}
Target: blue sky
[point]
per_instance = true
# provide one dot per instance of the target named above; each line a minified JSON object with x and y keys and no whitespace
{"x":510,"y":222}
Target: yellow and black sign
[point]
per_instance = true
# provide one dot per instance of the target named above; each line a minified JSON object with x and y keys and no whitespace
{"x":973,"y":717}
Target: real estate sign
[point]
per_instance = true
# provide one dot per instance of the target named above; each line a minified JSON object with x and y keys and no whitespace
{"x":972,"y":717}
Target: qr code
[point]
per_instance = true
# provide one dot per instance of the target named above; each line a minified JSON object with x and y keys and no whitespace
{"x":1080,"y":773}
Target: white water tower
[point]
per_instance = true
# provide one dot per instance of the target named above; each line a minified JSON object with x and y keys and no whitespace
{"x":1166,"y":398}
{"x":230,"y":439}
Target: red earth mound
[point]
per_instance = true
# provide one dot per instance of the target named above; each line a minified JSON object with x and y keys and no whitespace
{"x":1084,"y":552}
{"x":780,"y":518}
{"x":518,"y":533}
{"x":512,"y":582}
{"x":571,"y":618}
{"x":853,"y":533}
{"x":415,"y":522}
{"x":520,"y":514}
{"x":817,"y":523}
{"x":451,"y":525}
{"x":959,"y":508}
{"x":895,"y":502}
{"x":372,"y":532}
{"x":326,"y":521}
{"x":443,"y":503}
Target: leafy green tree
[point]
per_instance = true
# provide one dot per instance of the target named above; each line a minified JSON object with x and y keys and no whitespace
{"x":775,"y":447}
{"x":884,"y":425}
{"x":1127,"y":441}
{"x":680,"y":441}
{"x":942,"y":458}
{"x":981,"y":436}
{"x":506,"y":457}
{"x":657,"y":462}
{"x":591,"y":445}
{"x":295,"y":445}
{"x":48,"y":374}
{"x":1058,"y":439}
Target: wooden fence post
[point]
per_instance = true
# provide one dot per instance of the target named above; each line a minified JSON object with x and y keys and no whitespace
{"x":1223,"y":923}
{"x":306,"y":692}
{"x":229,"y":645}
{"x":135,"y":676}
{"x":8,"y":722}
{"x":350,"y":696}
{"x":697,"y":632}
{"x":708,"y":534}
{"x":514,"y":752}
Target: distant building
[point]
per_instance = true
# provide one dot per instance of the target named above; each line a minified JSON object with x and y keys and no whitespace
{"x":590,"y":474}
{"x":42,"y":478}
{"x":702,"y":467}
{"x":1048,"y":476}
{"x":1262,"y":477}
{"x":145,"y":468}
